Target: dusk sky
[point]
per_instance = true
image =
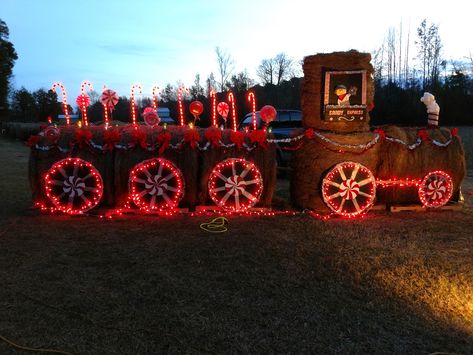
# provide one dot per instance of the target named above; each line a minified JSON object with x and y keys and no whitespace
{"x":119,"y":43}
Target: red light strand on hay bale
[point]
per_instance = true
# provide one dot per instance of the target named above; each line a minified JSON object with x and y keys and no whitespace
{"x":156,"y":185}
{"x":349,"y":189}
{"x":64,"y":99}
{"x":235,"y":184}
{"x":73,"y":186}
{"x":436,"y":189}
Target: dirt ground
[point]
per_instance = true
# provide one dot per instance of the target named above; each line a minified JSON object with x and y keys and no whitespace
{"x":389,"y":283}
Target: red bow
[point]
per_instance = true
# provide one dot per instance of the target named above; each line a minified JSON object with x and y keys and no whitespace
{"x":213,"y":135}
{"x":163,"y":139}
{"x":309,"y":133}
{"x":192,"y":138}
{"x":237,"y":138}
{"x":83,"y":137}
{"x":454,"y":132}
{"x":32,"y":141}
{"x":110,"y":138}
{"x":423,"y":134}
{"x":381,"y":133}
{"x":138,"y":137}
{"x":259,"y":136}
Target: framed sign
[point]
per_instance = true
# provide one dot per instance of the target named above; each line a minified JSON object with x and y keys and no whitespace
{"x":345,"y":95}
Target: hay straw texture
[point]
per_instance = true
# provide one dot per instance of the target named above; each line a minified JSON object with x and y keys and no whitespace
{"x":312,"y":95}
{"x":386,"y":160}
{"x":395,"y":160}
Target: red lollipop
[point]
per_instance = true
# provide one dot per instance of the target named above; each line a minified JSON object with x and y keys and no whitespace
{"x":223,"y":109}
{"x":196,"y":108}
{"x":151,"y":117}
{"x":268,"y":113}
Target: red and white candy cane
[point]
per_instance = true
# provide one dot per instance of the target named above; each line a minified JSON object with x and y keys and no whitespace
{"x":133,"y":103}
{"x":83,"y":106}
{"x":154,"y":93}
{"x":231,"y":100}
{"x":64,"y":99}
{"x":182,"y":89}
{"x":213,"y":100}
{"x":252,"y":99}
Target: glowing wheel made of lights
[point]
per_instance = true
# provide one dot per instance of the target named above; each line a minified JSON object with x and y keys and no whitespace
{"x":156,"y":185}
{"x":349,"y":189}
{"x":235,"y":184}
{"x":73,"y":185}
{"x":436,"y":189}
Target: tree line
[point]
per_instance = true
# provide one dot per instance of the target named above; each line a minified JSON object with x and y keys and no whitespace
{"x":402,"y":73}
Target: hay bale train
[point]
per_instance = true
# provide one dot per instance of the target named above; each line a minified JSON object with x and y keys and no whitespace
{"x":340,"y":164}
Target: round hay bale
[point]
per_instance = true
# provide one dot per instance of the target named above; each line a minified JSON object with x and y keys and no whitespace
{"x":186,"y":159}
{"x":397,"y":161}
{"x":264,"y":159}
{"x":316,"y":157}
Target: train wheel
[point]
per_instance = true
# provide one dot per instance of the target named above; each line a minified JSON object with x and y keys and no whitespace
{"x":349,"y":189}
{"x":156,"y":184}
{"x":235,"y":184}
{"x":73,"y":185}
{"x":436,"y":189}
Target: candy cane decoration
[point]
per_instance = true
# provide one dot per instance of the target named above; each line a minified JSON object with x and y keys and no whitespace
{"x":181,"y":89}
{"x":105,"y":109}
{"x":231,"y":99}
{"x":155,"y":92}
{"x":213,"y":99}
{"x":64,"y":99}
{"x":133,"y":104}
{"x":252,"y":99}
{"x":83,"y":106}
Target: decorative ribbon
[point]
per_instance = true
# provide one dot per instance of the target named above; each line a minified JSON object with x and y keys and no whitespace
{"x":213,"y":135}
{"x":82,"y":137}
{"x":110,"y":138}
{"x":191,"y":137}
{"x":163,"y":139}
{"x":138,"y":137}
{"x":259,"y":136}
{"x":237,"y":138}
{"x":32,"y":141}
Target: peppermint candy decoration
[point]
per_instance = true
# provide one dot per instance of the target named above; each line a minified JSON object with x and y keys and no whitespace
{"x":223,"y":109}
{"x":83,"y":100}
{"x":436,"y":189}
{"x":109,"y":98}
{"x":73,"y":186}
{"x":156,"y":185}
{"x":235,"y":185}
{"x":349,"y":189}
{"x":150,"y":116}
{"x":50,"y":132}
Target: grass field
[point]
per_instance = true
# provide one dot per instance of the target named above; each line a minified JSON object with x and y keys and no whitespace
{"x":390,"y":283}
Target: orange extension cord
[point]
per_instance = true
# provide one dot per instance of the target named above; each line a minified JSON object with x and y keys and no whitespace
{"x":25,"y":348}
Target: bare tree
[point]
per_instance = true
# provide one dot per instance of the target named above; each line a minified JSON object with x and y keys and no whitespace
{"x":225,"y":66}
{"x":265,"y":71}
{"x":429,"y":45}
{"x":211,"y":83}
{"x":283,"y":66}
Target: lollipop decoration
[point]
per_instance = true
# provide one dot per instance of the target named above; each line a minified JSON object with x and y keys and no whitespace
{"x":196,"y":108}
{"x":231,"y":99}
{"x":64,"y":99}
{"x":133,"y":103}
{"x":109,"y":99}
{"x":150,"y":116}
{"x":213,"y":99}
{"x":252,"y":99}
{"x":223,"y":109}
{"x":154,"y":93}
{"x":181,"y":89}
{"x":268,"y":114}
